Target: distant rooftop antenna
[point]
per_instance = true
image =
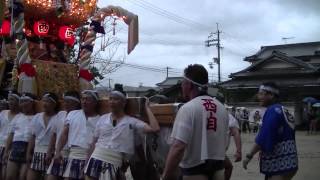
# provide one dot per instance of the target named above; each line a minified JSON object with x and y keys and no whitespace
{"x":285,"y":39}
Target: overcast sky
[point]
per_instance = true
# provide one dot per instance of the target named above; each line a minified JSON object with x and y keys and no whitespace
{"x":246,"y":25}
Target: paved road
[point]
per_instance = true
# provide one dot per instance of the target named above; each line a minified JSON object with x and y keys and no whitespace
{"x":309,"y":158}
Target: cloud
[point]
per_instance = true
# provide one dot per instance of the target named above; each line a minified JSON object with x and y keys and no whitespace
{"x":246,"y":25}
{"x":304,"y":8}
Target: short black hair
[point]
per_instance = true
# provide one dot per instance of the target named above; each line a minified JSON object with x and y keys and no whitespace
{"x":73,"y":94}
{"x":220,"y":98}
{"x":34,"y":97}
{"x":119,"y":87}
{"x":272,"y":85}
{"x":14,"y":92}
{"x":55,"y":97}
{"x":197,"y":73}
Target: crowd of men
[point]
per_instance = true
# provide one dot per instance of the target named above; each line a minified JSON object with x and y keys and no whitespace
{"x":80,"y":143}
{"x":249,"y":121}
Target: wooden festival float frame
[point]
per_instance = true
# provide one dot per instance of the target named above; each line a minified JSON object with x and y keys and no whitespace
{"x":51,"y":19}
{"x":57,"y":20}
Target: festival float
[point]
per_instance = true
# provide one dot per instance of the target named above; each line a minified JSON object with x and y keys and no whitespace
{"x":37,"y":39}
{"x":39,"y":35}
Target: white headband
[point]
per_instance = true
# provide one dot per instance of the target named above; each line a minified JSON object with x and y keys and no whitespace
{"x":269,"y":89}
{"x":50,"y":98}
{"x":14,"y":95}
{"x":91,"y":93}
{"x":25,"y":97}
{"x":119,"y":94}
{"x":193,"y":82}
{"x":71,"y":98}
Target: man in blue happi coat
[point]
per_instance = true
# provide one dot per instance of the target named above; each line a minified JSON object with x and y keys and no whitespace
{"x":276,"y":138}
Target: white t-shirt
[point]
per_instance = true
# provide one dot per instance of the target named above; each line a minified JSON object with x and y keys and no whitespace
{"x":59,"y":125}
{"x":233,"y":123}
{"x":202,"y":124}
{"x":40,"y":131}
{"x":5,"y":126}
{"x":21,"y":127}
{"x":119,"y":138}
{"x":80,"y":129}
{"x":238,"y":115}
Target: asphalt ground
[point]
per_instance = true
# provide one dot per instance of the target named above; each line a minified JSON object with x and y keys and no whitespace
{"x":308,"y":152}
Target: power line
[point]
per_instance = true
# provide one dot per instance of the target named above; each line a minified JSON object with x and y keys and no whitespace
{"x":151,"y":36}
{"x":144,"y":67}
{"x":175,"y":15}
{"x":169,"y":15}
{"x":164,"y":70}
{"x":162,"y":13}
{"x":151,"y":69}
{"x":230,"y":50}
{"x":174,"y":71}
{"x":240,"y":41}
{"x":166,"y":42}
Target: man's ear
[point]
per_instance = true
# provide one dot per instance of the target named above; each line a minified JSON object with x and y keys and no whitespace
{"x":272,"y":96}
{"x":125,"y":101}
{"x":190,"y":85}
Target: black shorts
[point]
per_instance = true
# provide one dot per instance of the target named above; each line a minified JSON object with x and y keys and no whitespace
{"x":208,"y":168}
{"x":19,"y":152}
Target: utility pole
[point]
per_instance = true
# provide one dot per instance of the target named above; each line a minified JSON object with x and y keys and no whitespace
{"x":218,"y":45}
{"x":109,"y":79}
{"x":168,"y":71}
{"x":284,"y":39}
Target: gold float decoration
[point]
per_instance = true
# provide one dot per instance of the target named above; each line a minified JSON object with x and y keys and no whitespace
{"x":73,"y":12}
{"x":56,"y":77}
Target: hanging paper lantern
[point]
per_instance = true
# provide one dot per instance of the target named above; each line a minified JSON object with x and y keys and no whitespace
{"x":5,"y":28}
{"x":66,"y":34}
{"x":41,"y":28}
{"x":74,"y":12}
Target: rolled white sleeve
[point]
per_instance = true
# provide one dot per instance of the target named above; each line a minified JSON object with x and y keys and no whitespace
{"x":96,"y":132}
{"x":61,"y":118}
{"x":32,"y":126}
{"x":182,"y":127}
{"x":13,"y":127}
{"x":139,"y":125}
{"x":68,"y":119}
